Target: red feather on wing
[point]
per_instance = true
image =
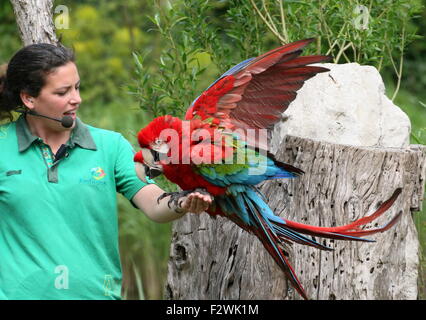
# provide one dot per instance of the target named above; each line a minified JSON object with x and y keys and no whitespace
{"x":256,"y":95}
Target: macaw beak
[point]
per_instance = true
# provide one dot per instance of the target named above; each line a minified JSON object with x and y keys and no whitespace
{"x":143,"y":171}
{"x":153,"y":172}
{"x":146,"y":165}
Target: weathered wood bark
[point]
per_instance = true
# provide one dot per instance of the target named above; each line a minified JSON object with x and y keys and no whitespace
{"x":214,"y":259}
{"x":34,"y":19}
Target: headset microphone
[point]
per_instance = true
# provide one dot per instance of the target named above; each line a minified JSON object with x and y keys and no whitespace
{"x":66,"y":121}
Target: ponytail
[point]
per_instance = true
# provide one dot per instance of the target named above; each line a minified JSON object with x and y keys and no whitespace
{"x":5,"y":113}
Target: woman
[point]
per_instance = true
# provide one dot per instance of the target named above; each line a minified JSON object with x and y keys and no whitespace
{"x":58,"y":211}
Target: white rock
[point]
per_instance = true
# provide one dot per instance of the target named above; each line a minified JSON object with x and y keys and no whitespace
{"x":348,"y":106}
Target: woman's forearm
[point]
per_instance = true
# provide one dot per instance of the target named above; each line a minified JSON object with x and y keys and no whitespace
{"x":159,"y":211}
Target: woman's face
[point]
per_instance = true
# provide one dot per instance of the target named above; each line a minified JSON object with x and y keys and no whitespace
{"x":59,"y":97}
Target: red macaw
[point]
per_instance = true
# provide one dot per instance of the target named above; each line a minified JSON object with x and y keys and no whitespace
{"x":214,"y":151}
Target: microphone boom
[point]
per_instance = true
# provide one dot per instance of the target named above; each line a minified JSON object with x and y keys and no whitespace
{"x":66,"y":121}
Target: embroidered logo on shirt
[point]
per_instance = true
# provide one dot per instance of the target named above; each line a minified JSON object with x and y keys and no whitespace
{"x":98,"y":173}
{"x":13,"y":172}
{"x":94,"y":177}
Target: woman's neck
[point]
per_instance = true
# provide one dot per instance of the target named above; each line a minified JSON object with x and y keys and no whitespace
{"x":53,"y":138}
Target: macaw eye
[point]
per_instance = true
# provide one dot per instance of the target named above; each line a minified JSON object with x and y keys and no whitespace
{"x":158,"y":141}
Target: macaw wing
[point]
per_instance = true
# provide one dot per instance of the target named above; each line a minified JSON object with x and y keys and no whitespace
{"x":227,"y":165}
{"x":254,"y":93}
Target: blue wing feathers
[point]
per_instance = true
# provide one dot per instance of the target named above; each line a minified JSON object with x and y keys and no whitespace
{"x":251,"y":175}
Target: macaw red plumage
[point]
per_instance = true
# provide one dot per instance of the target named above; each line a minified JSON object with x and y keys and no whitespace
{"x":214,"y":150}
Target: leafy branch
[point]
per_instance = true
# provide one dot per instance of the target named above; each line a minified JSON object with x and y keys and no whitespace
{"x":366,"y":32}
{"x":202,"y":39}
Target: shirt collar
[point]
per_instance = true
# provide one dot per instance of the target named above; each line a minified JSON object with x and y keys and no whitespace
{"x":80,"y":135}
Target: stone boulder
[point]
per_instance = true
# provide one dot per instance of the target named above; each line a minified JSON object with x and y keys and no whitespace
{"x":347,"y":106}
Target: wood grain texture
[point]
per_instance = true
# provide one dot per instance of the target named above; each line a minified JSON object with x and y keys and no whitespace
{"x":34,"y":19}
{"x":211,"y":258}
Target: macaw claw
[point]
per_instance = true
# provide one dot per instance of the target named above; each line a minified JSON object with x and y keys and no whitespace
{"x":176,"y":196}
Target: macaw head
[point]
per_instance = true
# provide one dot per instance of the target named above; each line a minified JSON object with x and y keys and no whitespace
{"x":154,"y":141}
{"x":147,"y":164}
{"x":157,"y":134}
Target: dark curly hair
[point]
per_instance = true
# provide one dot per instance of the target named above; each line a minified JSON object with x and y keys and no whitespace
{"x":27,"y":71}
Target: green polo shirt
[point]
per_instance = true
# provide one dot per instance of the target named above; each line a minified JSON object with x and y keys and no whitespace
{"x":58,"y":218}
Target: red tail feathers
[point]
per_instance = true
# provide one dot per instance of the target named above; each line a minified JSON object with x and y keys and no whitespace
{"x":350,"y":230}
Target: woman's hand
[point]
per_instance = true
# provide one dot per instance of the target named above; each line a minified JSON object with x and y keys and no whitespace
{"x":146,"y":199}
{"x":196,"y":202}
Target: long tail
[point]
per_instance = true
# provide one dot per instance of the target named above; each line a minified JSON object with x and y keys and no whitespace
{"x":350,"y":231}
{"x":248,"y":204}
{"x":248,"y":210}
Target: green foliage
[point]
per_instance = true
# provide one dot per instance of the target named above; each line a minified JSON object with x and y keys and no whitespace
{"x":97,"y":58}
{"x":415,"y":62}
{"x":162,"y":92}
{"x":9,"y":39}
{"x":227,"y":32}
{"x":367,"y":32}
{"x":193,"y":40}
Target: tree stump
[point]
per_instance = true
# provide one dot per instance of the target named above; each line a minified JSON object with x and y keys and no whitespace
{"x":212,"y":258}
